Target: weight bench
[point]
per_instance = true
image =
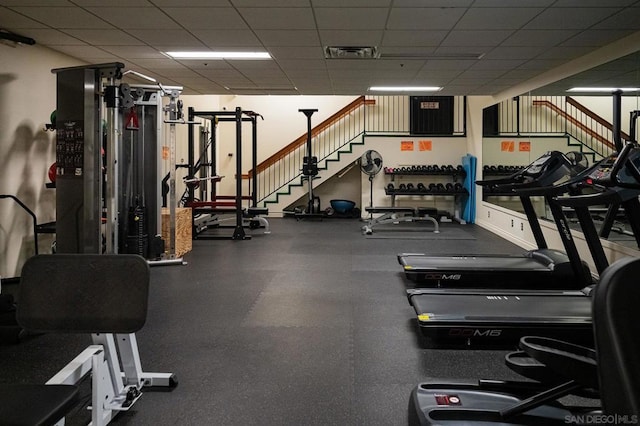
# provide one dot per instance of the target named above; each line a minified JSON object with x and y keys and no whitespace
{"x":399,"y":214}
{"x":255,"y":216}
{"x":103,"y":295}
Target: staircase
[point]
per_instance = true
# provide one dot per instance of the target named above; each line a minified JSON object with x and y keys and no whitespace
{"x":337,"y":142}
{"x":594,"y":133}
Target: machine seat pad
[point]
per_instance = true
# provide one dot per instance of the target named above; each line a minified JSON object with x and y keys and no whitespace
{"x":84,"y":293}
{"x":30,"y":405}
{"x":257,"y":211}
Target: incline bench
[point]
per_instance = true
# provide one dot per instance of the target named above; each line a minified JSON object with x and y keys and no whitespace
{"x":102,"y":295}
{"x":400,"y":214}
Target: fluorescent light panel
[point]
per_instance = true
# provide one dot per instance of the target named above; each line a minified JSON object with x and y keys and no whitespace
{"x":603,"y":89}
{"x":405,"y":88}
{"x":219,"y":55}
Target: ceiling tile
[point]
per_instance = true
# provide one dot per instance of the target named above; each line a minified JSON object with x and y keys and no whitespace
{"x":350,"y":38}
{"x":192,"y":3}
{"x":425,"y":17}
{"x":497,"y":18}
{"x":569,"y":18}
{"x":511,"y":3}
{"x":134,"y":52}
{"x":447,"y":64}
{"x":433,"y":3}
{"x":539,"y":37}
{"x":86,"y":53}
{"x":488,"y":64}
{"x":596,"y":38}
{"x":476,"y":38}
{"x":220,"y":18}
{"x":541,"y":64}
{"x":112,"y":3}
{"x":105,"y":38}
{"x":296,"y":52}
{"x":217,"y":39}
{"x":285,"y":18}
{"x":12,"y":21}
{"x":135,"y":17}
{"x":270,"y":3}
{"x":346,"y":18}
{"x":565,"y":52}
{"x":306,"y":73}
{"x":40,"y":3}
{"x":627,"y":19}
{"x":593,"y":3}
{"x":167,"y":38}
{"x":48,"y":37}
{"x":158,"y":64}
{"x":515,"y":52}
{"x":413,"y":38}
{"x":206,"y":66}
{"x":350,"y":3}
{"x":63,"y":17}
{"x":288,"y":38}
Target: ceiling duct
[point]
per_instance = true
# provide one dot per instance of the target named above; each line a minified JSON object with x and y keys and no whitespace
{"x":351,"y":52}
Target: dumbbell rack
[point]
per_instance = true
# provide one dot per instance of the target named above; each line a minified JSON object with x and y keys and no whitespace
{"x":497,"y":171}
{"x":451,"y":188}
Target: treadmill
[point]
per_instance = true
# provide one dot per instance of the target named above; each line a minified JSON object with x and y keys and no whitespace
{"x":543,"y":268}
{"x":496,"y":315}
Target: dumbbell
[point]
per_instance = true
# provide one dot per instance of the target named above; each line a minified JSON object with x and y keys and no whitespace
{"x":403,"y":187}
{"x":449,"y":187}
{"x":440,"y":187}
{"x":421,"y":187}
{"x":410,"y":187}
{"x":432,"y":187}
{"x":390,"y":187}
{"x":458,"y":187}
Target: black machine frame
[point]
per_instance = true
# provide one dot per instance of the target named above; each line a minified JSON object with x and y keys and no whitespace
{"x":238,"y":116}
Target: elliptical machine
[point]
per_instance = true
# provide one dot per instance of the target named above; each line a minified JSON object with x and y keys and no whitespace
{"x":310,"y":168}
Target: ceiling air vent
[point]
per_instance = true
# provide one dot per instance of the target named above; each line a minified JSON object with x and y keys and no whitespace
{"x":351,"y":52}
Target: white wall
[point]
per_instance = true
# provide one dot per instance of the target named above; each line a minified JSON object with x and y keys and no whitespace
{"x":27,"y":98}
{"x":444,"y":151}
{"x":282,"y":124}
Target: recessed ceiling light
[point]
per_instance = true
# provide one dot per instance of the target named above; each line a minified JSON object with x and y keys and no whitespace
{"x":603,"y":89}
{"x":405,"y":88}
{"x":219,"y":55}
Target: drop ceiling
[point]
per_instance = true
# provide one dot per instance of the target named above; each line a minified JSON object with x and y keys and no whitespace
{"x":468,"y":47}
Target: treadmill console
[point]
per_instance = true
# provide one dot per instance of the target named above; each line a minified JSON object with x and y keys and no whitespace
{"x":547,"y":169}
{"x":621,"y":169}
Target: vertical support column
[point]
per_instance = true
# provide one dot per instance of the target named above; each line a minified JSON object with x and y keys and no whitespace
{"x":113,"y":154}
{"x":617,"y":112}
{"x":238,"y":233}
{"x":254,"y":161}
{"x":191,"y":153}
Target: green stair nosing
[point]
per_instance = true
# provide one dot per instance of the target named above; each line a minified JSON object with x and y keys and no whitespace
{"x":290,"y":185}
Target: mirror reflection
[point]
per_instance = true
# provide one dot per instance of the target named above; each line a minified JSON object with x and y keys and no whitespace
{"x":520,"y":130}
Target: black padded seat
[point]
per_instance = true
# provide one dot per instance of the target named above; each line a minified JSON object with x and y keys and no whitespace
{"x":427,"y":211}
{"x":73,"y":293}
{"x":257,"y":211}
{"x":617,"y":334}
{"x":31,"y":405}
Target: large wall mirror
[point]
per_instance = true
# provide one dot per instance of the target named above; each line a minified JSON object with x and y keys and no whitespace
{"x":521,"y":129}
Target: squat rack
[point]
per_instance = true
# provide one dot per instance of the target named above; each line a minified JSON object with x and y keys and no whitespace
{"x":238,"y":116}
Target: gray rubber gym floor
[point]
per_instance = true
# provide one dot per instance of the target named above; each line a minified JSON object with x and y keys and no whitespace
{"x":306,"y":326}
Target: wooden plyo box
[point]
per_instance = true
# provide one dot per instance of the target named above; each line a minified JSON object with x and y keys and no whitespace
{"x":183,"y":230}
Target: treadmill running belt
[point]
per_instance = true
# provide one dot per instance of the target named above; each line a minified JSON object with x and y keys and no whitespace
{"x":503,"y":315}
{"x":471,"y":263}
